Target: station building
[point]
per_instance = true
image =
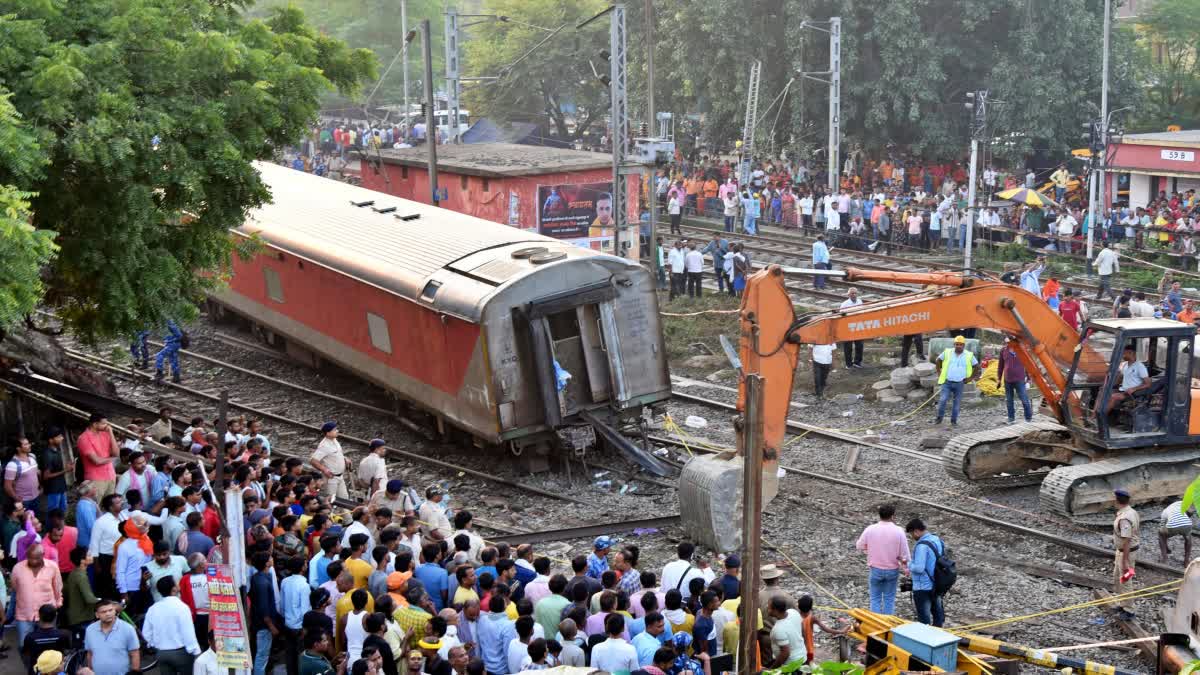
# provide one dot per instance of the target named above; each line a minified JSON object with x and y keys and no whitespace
{"x":1147,"y":164}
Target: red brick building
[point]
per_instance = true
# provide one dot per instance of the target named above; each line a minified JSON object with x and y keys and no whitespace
{"x":516,"y":185}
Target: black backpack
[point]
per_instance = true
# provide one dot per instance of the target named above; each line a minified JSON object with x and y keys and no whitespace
{"x":945,"y":572}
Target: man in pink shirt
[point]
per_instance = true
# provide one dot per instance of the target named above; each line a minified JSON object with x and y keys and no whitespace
{"x":98,"y":450}
{"x":36,"y":582}
{"x":887,"y":555}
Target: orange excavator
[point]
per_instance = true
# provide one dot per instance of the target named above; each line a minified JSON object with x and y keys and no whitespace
{"x":1148,"y":443}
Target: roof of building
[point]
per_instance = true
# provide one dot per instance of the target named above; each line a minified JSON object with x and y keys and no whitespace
{"x":1186,"y":137}
{"x":317,"y":218}
{"x":499,"y":160}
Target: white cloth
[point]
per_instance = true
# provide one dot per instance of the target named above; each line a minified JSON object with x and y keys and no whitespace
{"x":806,"y":205}
{"x":613,"y":655}
{"x":517,"y":653}
{"x":169,"y":625}
{"x":1106,"y":262}
{"x":1133,"y":375}
{"x":357,"y":528}
{"x":1173,"y":516}
{"x":676,"y":260}
{"x":848,"y":303}
{"x":823,"y":353}
{"x":673,"y":206}
{"x":1066,"y":225}
{"x":355,"y":634}
{"x":676,"y":574}
{"x":206,"y":664}
{"x":693,"y":261}
{"x":105,"y":534}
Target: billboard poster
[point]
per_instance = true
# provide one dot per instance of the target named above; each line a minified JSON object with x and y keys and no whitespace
{"x":231,"y":640}
{"x":581,"y":213}
{"x":514,"y":211}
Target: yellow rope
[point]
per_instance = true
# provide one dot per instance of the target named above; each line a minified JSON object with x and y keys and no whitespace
{"x":800,"y":569}
{"x":1146,"y":592}
{"x":903,"y":417}
{"x":674,"y":428}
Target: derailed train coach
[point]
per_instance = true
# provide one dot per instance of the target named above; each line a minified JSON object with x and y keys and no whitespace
{"x":516,"y":339}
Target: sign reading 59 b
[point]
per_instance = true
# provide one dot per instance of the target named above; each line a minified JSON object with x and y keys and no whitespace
{"x":1178,"y":155}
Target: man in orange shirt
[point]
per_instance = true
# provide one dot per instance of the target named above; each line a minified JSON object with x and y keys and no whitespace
{"x":98,"y":450}
{"x":1188,"y":315}
{"x":710,"y":191}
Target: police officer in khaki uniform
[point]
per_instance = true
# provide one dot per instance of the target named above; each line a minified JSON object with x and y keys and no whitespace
{"x":331,"y":462}
{"x":1125,"y":541}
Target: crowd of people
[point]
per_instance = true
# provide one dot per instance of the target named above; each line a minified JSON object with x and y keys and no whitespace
{"x":400,"y":583}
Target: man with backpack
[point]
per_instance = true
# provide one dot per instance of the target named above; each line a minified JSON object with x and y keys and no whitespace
{"x":932,"y":573}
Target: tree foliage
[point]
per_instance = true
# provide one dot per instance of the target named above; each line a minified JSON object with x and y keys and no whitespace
{"x":554,"y":82}
{"x":145,"y":115}
{"x":375,"y":25}
{"x":906,"y":68}
{"x":1169,"y":51}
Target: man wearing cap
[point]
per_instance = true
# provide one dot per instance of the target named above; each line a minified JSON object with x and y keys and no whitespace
{"x":1125,"y":541}
{"x":957,"y":367}
{"x":372,"y":470}
{"x":394,"y":497}
{"x":598,"y":558}
{"x":329,"y":460}
{"x":770,"y":575}
{"x":49,"y":662}
{"x":432,"y":515}
{"x":730,"y":583}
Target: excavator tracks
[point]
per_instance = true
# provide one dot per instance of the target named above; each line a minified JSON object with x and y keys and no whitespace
{"x":1084,"y":492}
{"x":967,"y":456}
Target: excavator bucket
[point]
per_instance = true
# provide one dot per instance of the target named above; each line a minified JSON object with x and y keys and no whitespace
{"x":710,"y":487}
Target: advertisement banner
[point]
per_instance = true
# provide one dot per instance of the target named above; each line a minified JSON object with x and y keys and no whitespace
{"x":231,"y":640}
{"x":514,"y":211}
{"x":581,"y":213}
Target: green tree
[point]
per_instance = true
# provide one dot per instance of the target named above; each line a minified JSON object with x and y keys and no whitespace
{"x":1169,"y":53}
{"x":553,"y":80}
{"x":374,"y":25}
{"x":145,"y":116}
{"x":906,"y":68}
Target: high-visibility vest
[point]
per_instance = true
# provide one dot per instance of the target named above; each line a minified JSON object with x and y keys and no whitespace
{"x":946,"y":356}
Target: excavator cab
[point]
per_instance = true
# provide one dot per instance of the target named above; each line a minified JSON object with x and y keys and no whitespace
{"x":1102,"y":407}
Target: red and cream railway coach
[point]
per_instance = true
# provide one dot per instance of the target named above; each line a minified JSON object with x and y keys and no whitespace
{"x":463,"y":317}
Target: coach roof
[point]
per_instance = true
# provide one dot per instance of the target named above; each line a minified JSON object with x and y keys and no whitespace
{"x":316,"y":218}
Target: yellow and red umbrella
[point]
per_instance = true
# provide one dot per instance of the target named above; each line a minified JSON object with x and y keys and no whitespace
{"x":1027,"y":197}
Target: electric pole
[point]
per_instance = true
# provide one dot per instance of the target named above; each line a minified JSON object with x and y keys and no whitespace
{"x":619,"y":116}
{"x":833,"y":78}
{"x":404,"y":58}
{"x":1103,"y":116}
{"x":652,"y":185}
{"x":977,"y":103}
{"x":430,"y":127}
{"x":452,"y":75}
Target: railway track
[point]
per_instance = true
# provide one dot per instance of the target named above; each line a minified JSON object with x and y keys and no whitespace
{"x":1015,"y":528}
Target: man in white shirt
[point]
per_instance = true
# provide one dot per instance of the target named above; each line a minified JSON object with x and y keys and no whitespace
{"x":787,"y":635}
{"x":372,"y":470}
{"x":1065,"y":227}
{"x":614,"y":654}
{"x":852,"y":350}
{"x":169,"y":629}
{"x":675,"y":259}
{"x":822,"y":360}
{"x":675,"y":211}
{"x":677,"y":574}
{"x":105,"y":533}
{"x":1106,"y":265}
{"x":1030,"y":179}
{"x":833,"y":219}
{"x":693,"y":268}
{"x":806,"y":211}
{"x":1133,"y":378}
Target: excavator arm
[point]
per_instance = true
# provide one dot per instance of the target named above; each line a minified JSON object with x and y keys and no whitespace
{"x":772,"y":332}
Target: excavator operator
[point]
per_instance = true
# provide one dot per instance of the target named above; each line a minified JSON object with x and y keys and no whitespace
{"x":1134,"y":378}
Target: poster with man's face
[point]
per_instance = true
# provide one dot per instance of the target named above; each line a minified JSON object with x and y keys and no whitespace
{"x":581,"y":213}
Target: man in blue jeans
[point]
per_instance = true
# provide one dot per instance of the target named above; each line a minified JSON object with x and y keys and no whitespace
{"x":926,"y":551}
{"x":957,"y":367}
{"x":820,"y":259}
{"x":887,"y":551}
{"x":1012,"y":374}
{"x":264,"y":617}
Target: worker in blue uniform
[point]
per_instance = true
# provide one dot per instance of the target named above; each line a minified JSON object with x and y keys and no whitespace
{"x":140,"y":350}
{"x":170,"y":352}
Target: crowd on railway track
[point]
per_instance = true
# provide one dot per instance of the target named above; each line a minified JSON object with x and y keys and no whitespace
{"x":920,"y":206}
{"x":111,"y":575}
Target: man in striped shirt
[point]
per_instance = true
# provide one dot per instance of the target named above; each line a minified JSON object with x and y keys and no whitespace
{"x":1175,"y":523}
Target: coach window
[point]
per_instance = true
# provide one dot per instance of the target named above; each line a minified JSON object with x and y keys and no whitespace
{"x":462,"y":181}
{"x":274,"y":287}
{"x":485,"y":185}
{"x":378,"y":328}
{"x":404,"y":172}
